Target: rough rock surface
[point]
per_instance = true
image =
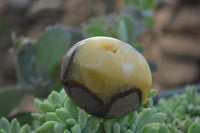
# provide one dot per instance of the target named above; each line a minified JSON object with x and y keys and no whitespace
{"x":174,"y":44}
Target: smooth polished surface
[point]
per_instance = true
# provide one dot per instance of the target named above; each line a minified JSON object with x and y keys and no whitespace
{"x":107,"y":67}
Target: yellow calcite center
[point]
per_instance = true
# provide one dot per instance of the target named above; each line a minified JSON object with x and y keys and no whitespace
{"x":109,"y":66}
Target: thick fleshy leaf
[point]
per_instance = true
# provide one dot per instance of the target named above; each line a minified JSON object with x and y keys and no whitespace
{"x":195,"y":127}
{"x":24,"y":59}
{"x":138,"y":47}
{"x":58,"y":128}
{"x":116,"y":127}
{"x":158,"y":117}
{"x":144,"y":118}
{"x":2,"y":131}
{"x":72,"y":108}
{"x":99,"y":21}
{"x":46,"y":107}
{"x":14,"y":126}
{"x":9,"y":99}
{"x":94,"y":31}
{"x":107,"y":126}
{"x":147,"y":4}
{"x":92,"y":125}
{"x":71,"y":122}
{"x":54,"y":98}
{"x":62,"y":114}
{"x":76,"y":129}
{"x":126,"y":29}
{"x":163,"y":129}
{"x":187,"y":124}
{"x":51,"y":116}
{"x":82,"y":118}
{"x":4,"y":124}
{"x":50,"y":49}
{"x":48,"y":127}
{"x":38,"y":117}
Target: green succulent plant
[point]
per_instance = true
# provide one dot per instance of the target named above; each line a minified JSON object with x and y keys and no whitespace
{"x":13,"y":126}
{"x":182,"y":110}
{"x":58,"y":114}
{"x":37,"y":65}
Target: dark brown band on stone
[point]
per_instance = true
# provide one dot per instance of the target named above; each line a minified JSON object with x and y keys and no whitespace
{"x":68,"y":65}
{"x":123,"y":94}
{"x":72,"y":84}
{"x":101,"y":108}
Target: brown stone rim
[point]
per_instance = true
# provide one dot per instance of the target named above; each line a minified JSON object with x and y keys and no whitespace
{"x":69,"y":64}
{"x":102,"y":109}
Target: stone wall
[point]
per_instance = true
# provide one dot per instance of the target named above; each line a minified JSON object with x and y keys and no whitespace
{"x":173,"y":44}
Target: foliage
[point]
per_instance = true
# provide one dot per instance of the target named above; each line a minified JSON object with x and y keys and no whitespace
{"x":6,"y":104}
{"x":38,"y":65}
{"x":128,"y":26}
{"x":59,"y":111}
{"x":37,"y":73}
{"x":183,"y":110}
{"x":58,"y":114}
{"x":13,"y":127}
{"x":146,"y":7}
{"x":120,"y":27}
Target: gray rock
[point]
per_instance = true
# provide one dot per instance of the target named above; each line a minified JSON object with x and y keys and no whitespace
{"x":18,"y":3}
{"x":44,"y":7}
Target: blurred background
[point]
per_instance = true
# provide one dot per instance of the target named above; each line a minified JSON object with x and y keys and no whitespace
{"x":171,"y":42}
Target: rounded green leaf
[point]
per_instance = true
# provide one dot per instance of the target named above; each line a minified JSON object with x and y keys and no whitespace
{"x":194,"y":128}
{"x":45,"y":107}
{"x":95,"y":124}
{"x":107,"y":126}
{"x":63,"y":96}
{"x":92,"y":125}
{"x":76,"y":129}
{"x":25,"y":129}
{"x":50,"y":49}
{"x":144,"y":118}
{"x":150,"y":129}
{"x":2,"y":131}
{"x":5,"y":124}
{"x":123,"y":121}
{"x":39,"y":117}
{"x":10,"y":98}
{"x":48,"y":127}
{"x":37,"y":103}
{"x":14,"y":126}
{"x":51,"y":116}
{"x":116,"y":127}
{"x":54,"y":98}
{"x":163,"y":129}
{"x":58,"y":128}
{"x":62,"y":114}
{"x":67,"y":131}
{"x":158,"y":117}
{"x":94,"y":31}
{"x":71,"y":122}
{"x":82,"y":118}
{"x":126,"y":29}
{"x":129,"y":131}
{"x":187,"y":124}
{"x":152,"y":93}
{"x":72,"y":108}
